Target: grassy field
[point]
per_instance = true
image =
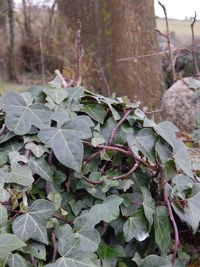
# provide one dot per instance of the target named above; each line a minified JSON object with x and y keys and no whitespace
{"x":181,"y":28}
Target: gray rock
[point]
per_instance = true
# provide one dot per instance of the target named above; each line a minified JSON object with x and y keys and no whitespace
{"x":178,"y":107}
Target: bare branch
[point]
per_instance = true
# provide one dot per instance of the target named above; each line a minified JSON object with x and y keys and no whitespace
{"x":93,"y":182}
{"x":196,"y":68}
{"x":64,"y":83}
{"x":104,"y":77}
{"x":42,"y":64}
{"x":169,"y":41}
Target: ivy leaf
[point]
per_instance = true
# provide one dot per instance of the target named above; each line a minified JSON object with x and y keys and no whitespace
{"x":146,"y":141}
{"x":8,"y":243}
{"x":108,"y":253}
{"x":35,"y":249}
{"x":182,"y":159}
{"x":148,"y":205}
{"x":88,"y":236}
{"x":107,"y":211}
{"x":32,"y":224}
{"x":163,"y":229}
{"x":191,"y":213}
{"x":58,"y":95}
{"x":167,"y":130}
{"x":73,"y":100}
{"x":16,"y":260}
{"x":95,"y":111}
{"x":136,"y":227}
{"x":37,"y":150}
{"x":40,"y":167}
{"x":20,"y":116}
{"x":163,"y":151}
{"x":21,"y":175}
{"x":3,"y":215}
{"x":155,"y":261}
{"x":66,"y":141}
{"x":78,"y":259}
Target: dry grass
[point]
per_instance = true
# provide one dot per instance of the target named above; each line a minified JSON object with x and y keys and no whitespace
{"x":181,"y":28}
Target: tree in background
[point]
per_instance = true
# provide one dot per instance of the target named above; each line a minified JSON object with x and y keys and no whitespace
{"x":118,"y":29}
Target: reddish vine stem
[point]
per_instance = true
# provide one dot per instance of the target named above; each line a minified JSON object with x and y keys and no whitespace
{"x":171,"y":216}
{"x":92,"y":156}
{"x":55,"y":247}
{"x":112,"y":136}
{"x":125,"y":175}
{"x":125,"y":152}
{"x":62,"y":219}
{"x":3,"y":129}
{"x":93,"y":182}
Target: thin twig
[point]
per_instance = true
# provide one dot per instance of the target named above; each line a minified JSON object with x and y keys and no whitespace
{"x":196,"y":68}
{"x":68,"y":184}
{"x":55,"y":247}
{"x":161,"y":33}
{"x":125,"y":175}
{"x":112,"y":135}
{"x":93,"y":182}
{"x":79,"y":51}
{"x":104,"y":77}
{"x":153,"y":111}
{"x":92,"y":156}
{"x":168,"y":41}
{"x":42,"y":64}
{"x":64,"y":83}
{"x":171,"y":216}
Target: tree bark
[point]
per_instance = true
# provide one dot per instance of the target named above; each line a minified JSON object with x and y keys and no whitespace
{"x":11,"y":63}
{"x":117,"y":29}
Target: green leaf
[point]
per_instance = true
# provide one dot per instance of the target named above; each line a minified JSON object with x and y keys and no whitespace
{"x":191,"y":213}
{"x":37,"y":150}
{"x":163,"y":229}
{"x":35,"y":249}
{"x":58,"y":95}
{"x":155,"y":261}
{"x":146,"y":141}
{"x":148,"y":205}
{"x":20,"y":116}
{"x":8,"y":243}
{"x":40,"y":167}
{"x":108,"y":253}
{"x":167,"y":130}
{"x":3,"y":215}
{"x":136,"y":227}
{"x":16,"y":260}
{"x":21,"y":175}
{"x":78,"y":259}
{"x":66,"y":141}
{"x":32,"y":224}
{"x":88,"y":236}
{"x":182,"y":159}
{"x":95,"y":111}
{"x":163,"y":151}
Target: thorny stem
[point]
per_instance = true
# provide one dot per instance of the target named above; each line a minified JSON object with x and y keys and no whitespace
{"x":171,"y":216}
{"x":125,"y":175}
{"x":117,"y":126}
{"x":196,"y":68}
{"x":55,"y":247}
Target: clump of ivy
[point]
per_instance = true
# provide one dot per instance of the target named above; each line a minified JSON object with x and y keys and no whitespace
{"x":88,"y":181}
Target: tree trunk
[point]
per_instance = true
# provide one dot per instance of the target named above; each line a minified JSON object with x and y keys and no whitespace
{"x":117,"y":29}
{"x":11,"y":63}
{"x":3,"y":15}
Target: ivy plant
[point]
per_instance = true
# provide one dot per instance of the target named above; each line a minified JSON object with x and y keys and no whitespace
{"x":89,"y":181}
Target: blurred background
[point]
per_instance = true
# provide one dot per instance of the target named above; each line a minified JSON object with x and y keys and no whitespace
{"x":115,"y":40}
